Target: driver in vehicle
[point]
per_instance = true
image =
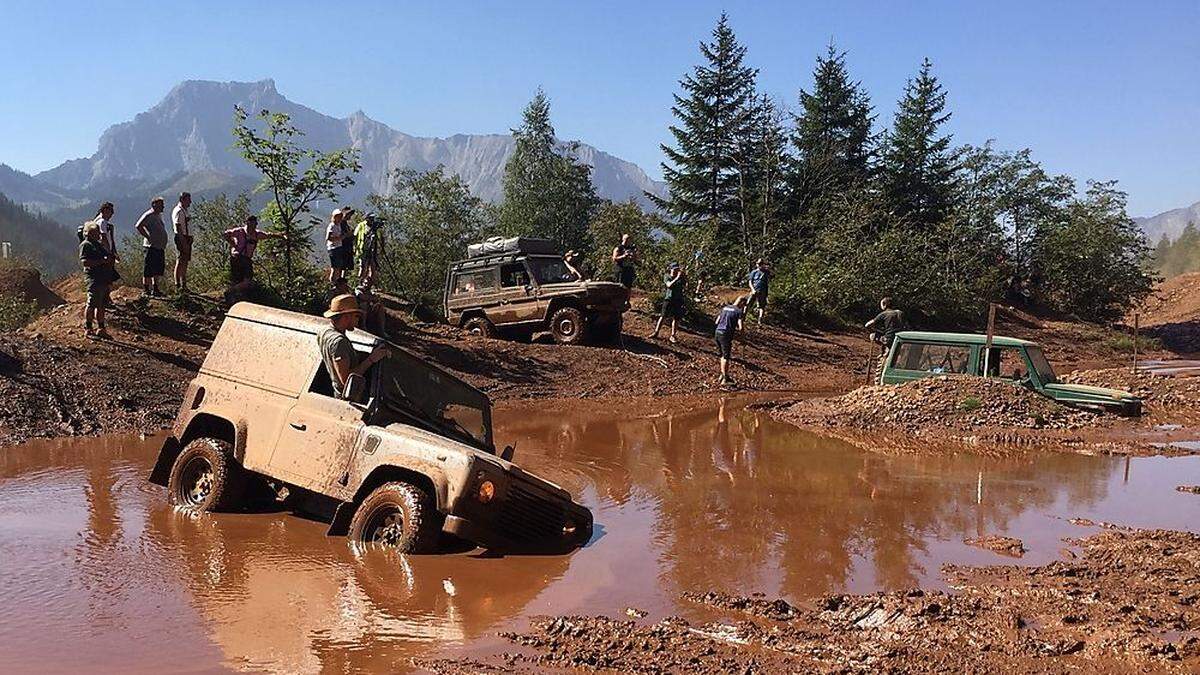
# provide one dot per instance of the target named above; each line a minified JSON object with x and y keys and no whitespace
{"x":341,"y":360}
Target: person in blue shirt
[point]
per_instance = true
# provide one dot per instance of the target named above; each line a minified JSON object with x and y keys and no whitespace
{"x":729,"y":322}
{"x":760,"y":284}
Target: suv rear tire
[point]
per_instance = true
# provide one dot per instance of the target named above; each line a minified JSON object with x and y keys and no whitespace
{"x":608,"y":331}
{"x":398,"y":515}
{"x":480,"y":326}
{"x":566,"y":325}
{"x":205,"y":477}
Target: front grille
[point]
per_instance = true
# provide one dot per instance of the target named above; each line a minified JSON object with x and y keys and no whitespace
{"x":527,"y":516}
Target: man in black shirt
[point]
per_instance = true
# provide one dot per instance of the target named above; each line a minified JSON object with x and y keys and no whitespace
{"x":886,"y":324}
{"x":98,"y":270}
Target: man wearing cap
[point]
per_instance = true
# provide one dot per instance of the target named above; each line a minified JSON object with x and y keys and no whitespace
{"x":341,"y":360}
{"x":339,"y":240}
{"x":154,"y":246}
{"x":672,"y":299}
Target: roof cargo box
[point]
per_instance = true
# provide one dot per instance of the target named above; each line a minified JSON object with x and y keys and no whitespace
{"x":525,"y":245}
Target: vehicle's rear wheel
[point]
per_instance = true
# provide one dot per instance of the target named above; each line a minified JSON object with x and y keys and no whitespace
{"x":205,"y":477}
{"x":479,"y":326}
{"x":397,"y":515}
{"x":566,"y":325}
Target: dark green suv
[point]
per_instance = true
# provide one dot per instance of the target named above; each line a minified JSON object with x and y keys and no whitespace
{"x":917,"y":354}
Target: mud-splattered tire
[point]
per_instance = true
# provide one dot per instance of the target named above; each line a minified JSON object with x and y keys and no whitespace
{"x":566,"y":325}
{"x":397,"y":515}
{"x":479,"y":326}
{"x":205,"y":477}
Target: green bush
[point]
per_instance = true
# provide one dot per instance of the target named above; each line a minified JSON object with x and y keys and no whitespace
{"x":15,"y":312}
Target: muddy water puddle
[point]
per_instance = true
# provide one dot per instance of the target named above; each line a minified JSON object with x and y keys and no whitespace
{"x":97,"y":573}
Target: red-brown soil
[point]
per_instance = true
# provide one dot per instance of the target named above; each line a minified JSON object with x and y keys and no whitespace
{"x":1172,"y":313}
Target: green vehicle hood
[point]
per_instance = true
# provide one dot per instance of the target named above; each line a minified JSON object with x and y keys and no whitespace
{"x":1086,"y":392}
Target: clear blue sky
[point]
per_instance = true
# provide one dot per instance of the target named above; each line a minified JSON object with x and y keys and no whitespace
{"x":1097,"y":89}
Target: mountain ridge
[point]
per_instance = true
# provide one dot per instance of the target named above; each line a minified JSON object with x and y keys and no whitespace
{"x":1169,"y":223}
{"x":189,"y":131}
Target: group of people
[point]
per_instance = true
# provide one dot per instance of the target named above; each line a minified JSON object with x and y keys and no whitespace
{"x":98,"y":255}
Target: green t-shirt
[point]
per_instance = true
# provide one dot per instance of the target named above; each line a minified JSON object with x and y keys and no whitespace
{"x":336,"y":345}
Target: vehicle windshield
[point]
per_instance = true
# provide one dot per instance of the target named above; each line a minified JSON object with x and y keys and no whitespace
{"x":1041,"y":365}
{"x":549,"y":270}
{"x":412,"y":392}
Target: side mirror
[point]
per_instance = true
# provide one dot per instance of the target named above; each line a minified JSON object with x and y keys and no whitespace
{"x":507,"y":453}
{"x":356,"y":389}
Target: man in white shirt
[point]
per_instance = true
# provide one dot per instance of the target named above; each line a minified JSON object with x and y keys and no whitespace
{"x":183,"y":240}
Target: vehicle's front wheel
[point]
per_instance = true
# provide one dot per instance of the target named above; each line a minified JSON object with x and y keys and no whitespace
{"x":398,"y":515}
{"x":205,"y":477}
{"x":566,"y":325}
{"x":479,"y":326}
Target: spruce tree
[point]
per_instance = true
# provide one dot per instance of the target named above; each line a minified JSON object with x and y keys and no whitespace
{"x":918,"y":166}
{"x":702,"y":171}
{"x":763,"y":160}
{"x":833,"y":140}
{"x":546,"y":192}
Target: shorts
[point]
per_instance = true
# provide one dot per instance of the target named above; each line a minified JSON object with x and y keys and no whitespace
{"x":625,"y":276}
{"x":97,"y":293}
{"x":183,"y":242}
{"x":341,"y":258}
{"x":724,"y":344}
{"x":155,"y":263}
{"x":241,"y":269}
{"x":673,"y":308}
{"x":759,"y":297}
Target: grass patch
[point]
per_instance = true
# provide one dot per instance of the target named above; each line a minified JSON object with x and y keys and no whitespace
{"x":1124,"y":343}
{"x":969,"y":403}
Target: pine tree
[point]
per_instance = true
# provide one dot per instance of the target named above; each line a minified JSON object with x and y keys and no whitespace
{"x":546,"y":192}
{"x":833,"y":139}
{"x":918,"y":165}
{"x":714,"y":111}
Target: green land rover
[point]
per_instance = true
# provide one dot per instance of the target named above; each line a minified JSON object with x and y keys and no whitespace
{"x":916,"y":354}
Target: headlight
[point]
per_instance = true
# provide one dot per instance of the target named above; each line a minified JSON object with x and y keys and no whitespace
{"x":486,"y":492}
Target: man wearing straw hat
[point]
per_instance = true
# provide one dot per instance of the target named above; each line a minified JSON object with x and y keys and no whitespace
{"x":341,"y":360}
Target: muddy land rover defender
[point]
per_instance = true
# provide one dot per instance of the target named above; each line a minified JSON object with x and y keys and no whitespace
{"x":409,"y":455}
{"x":520,"y":286}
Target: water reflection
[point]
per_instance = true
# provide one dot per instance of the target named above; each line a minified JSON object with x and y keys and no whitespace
{"x":687,"y":496}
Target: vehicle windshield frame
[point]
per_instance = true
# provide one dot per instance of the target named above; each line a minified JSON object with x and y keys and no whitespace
{"x":532,"y":263}
{"x":1037,"y":359}
{"x":423,"y":377}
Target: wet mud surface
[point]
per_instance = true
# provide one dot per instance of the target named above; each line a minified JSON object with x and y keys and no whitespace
{"x":698,"y":506}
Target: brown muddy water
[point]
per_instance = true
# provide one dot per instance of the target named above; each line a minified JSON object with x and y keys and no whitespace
{"x":98,"y":573}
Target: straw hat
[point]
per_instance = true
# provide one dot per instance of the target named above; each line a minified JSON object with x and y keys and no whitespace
{"x":342,"y":304}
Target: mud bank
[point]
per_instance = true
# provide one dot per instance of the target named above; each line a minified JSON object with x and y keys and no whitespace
{"x":1129,"y":601}
{"x":997,"y":417}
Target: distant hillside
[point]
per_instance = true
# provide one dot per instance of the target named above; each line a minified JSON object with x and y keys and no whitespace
{"x":187,"y":136}
{"x":1170,"y":223}
{"x":50,"y":246}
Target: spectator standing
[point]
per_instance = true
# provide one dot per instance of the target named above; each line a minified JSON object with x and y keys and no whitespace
{"x":242,"y":243}
{"x":624,"y":257}
{"x":97,"y":268}
{"x":340,"y":242}
{"x":368,"y":245}
{"x":760,"y":285}
{"x":154,"y":245}
{"x":181,"y":221}
{"x":729,"y":322}
{"x":103,"y":220}
{"x":675,"y":286}
{"x":886,"y":324}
